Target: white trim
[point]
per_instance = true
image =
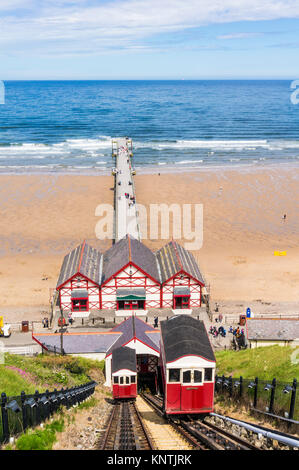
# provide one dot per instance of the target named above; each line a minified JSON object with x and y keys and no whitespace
{"x":123,"y":372}
{"x":190,"y":362}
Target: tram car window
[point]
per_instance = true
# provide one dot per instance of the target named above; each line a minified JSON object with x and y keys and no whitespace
{"x":124,"y":373}
{"x":188,"y":366}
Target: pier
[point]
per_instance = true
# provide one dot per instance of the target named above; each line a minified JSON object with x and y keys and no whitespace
{"x":125,"y":211}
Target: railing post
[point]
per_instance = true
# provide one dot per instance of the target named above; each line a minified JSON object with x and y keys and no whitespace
{"x":48,"y":405}
{"x":36,"y":399}
{"x":293,"y":399}
{"x":24,"y":411}
{"x":230,"y":386}
{"x":241,"y":387}
{"x":5,"y":426}
{"x":256,"y":382}
{"x":272,"y":396}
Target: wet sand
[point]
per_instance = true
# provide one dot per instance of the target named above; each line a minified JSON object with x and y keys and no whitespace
{"x":45,"y":216}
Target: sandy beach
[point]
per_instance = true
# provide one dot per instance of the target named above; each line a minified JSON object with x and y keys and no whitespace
{"x":45,"y":216}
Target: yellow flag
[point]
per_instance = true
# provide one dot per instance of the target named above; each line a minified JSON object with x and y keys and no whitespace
{"x":1,"y":322}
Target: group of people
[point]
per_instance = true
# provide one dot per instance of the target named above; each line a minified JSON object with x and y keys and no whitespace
{"x":239,"y":340}
{"x":214,"y":331}
{"x":236,"y":331}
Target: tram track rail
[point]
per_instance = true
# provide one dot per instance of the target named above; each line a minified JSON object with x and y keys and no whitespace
{"x":202,"y":436}
{"x":125,"y":429}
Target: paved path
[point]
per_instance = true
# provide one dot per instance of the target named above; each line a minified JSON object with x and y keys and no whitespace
{"x":125,"y":207}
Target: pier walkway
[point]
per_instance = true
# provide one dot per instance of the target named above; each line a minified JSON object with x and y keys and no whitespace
{"x":125,"y":215}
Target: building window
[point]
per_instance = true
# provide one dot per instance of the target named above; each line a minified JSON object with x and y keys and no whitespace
{"x":208,"y":374}
{"x":197,"y":377}
{"x":80,"y":305}
{"x":115,"y":380}
{"x":192,"y":376}
{"x":130,"y":304}
{"x":186,"y":376}
{"x":174,"y":375}
{"x":133,"y":379}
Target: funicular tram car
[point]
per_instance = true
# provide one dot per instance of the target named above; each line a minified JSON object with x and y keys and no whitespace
{"x":124,"y":373}
{"x":187,"y":366}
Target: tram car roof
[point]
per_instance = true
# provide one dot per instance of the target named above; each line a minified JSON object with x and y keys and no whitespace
{"x":124,"y":358}
{"x":185,"y":336}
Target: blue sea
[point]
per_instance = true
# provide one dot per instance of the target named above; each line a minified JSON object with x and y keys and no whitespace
{"x":67,"y":126}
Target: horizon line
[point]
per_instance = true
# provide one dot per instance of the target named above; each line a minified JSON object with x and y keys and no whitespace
{"x":146,"y":79}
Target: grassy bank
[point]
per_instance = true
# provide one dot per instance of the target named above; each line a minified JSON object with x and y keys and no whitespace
{"x":44,"y":372}
{"x":265,"y":363}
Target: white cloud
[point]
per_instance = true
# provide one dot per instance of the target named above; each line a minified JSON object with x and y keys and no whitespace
{"x":239,"y":35}
{"x":79,"y":24}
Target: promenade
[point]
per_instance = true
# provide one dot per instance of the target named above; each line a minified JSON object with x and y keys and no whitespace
{"x":125,"y":219}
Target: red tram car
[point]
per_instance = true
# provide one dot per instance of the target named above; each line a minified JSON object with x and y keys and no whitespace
{"x":124,"y":373}
{"x":187,"y":366}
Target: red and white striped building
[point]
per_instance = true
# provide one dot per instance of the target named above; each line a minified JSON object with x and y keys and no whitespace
{"x":129,"y":276}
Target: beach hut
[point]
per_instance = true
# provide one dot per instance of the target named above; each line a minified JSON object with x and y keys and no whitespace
{"x":78,"y":283}
{"x":181,"y":279}
{"x":130,"y":277}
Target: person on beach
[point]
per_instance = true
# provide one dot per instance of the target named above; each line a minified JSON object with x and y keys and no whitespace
{"x":285,"y":217}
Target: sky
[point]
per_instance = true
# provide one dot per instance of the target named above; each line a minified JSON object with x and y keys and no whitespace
{"x":149,"y":39}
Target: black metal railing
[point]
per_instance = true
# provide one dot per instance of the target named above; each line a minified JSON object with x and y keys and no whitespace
{"x":27,"y":411}
{"x":275,"y":399}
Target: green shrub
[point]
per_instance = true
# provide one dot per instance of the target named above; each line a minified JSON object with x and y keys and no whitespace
{"x":40,"y":439}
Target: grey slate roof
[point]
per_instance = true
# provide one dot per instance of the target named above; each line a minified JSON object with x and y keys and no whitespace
{"x":272,"y":329}
{"x":173,"y":258}
{"x":162,"y":265}
{"x":132,"y":328}
{"x":80,"y":343}
{"x":184,"y":336}
{"x":127,"y":250}
{"x":120,"y":335}
{"x":123,"y":358}
{"x":85,"y":260}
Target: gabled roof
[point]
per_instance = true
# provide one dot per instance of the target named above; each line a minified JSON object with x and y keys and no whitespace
{"x":272,"y":329}
{"x":125,"y":251}
{"x":123,"y":358}
{"x":134,"y":328}
{"x":185,"y":336}
{"x":173,"y":258}
{"x":84,"y":260}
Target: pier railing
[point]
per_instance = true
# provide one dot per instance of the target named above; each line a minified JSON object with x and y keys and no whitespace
{"x":272,"y":399}
{"x":28,"y":411}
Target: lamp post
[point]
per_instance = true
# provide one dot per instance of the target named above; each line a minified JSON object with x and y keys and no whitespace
{"x":61,"y":330}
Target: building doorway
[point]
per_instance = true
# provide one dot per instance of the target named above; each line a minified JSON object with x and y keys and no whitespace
{"x":147,"y":369}
{"x":181,"y":301}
